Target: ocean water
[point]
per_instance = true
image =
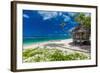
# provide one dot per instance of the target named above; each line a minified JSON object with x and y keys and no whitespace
{"x":31,"y":40}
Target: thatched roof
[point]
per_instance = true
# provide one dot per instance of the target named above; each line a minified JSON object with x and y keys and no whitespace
{"x":79,"y":29}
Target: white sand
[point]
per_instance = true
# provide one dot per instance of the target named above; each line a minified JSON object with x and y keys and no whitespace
{"x":59,"y":44}
{"x":42,"y":44}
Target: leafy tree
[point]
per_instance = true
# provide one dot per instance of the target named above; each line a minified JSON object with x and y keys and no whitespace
{"x":84,"y":20}
{"x":87,"y":21}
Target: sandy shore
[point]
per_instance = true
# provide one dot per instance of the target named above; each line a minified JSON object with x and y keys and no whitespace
{"x":65,"y":44}
{"x":48,"y":43}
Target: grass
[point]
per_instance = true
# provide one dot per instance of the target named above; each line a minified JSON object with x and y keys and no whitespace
{"x":45,"y":54}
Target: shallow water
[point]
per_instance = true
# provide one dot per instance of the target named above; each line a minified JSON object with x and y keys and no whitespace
{"x":30,"y":40}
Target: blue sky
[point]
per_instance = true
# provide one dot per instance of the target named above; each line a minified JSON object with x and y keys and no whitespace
{"x":47,"y":23}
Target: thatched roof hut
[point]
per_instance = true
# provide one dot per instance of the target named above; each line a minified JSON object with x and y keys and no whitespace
{"x":80,"y":34}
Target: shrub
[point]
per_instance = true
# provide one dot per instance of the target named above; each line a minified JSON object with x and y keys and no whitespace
{"x":45,"y":54}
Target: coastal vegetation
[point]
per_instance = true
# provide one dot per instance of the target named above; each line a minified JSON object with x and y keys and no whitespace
{"x":82,"y":32}
{"x":84,"y":20}
{"x":47,"y":54}
{"x":78,"y":29}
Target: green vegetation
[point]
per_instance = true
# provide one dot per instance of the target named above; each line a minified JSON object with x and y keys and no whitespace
{"x":45,"y":54}
{"x":84,"y":20}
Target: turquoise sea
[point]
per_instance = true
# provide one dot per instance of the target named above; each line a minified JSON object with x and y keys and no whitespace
{"x":31,"y":40}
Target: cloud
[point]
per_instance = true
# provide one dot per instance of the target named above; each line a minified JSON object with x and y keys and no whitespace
{"x":66,"y":18}
{"x":72,"y":14}
{"x":48,"y":14}
{"x":26,"y":16}
{"x":51,"y":14}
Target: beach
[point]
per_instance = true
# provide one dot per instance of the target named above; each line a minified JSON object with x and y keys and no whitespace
{"x":65,"y":44}
{"x":47,"y":43}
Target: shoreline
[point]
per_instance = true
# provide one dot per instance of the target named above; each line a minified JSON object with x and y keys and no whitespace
{"x":64,"y":45}
{"x":42,"y":44}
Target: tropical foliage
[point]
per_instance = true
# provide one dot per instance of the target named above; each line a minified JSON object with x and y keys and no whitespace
{"x":84,"y":19}
{"x":45,"y":54}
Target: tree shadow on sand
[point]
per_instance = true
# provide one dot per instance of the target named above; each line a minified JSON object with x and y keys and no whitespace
{"x":71,"y":46}
{"x":83,"y":46}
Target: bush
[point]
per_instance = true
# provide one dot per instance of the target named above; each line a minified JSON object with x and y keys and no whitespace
{"x":45,"y":54}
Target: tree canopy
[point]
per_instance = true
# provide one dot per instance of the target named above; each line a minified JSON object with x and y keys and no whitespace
{"x":83,"y":19}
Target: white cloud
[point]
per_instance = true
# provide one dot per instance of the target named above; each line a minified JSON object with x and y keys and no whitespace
{"x":47,"y":14}
{"x":25,"y":16}
{"x":66,"y":18}
{"x":72,"y":14}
